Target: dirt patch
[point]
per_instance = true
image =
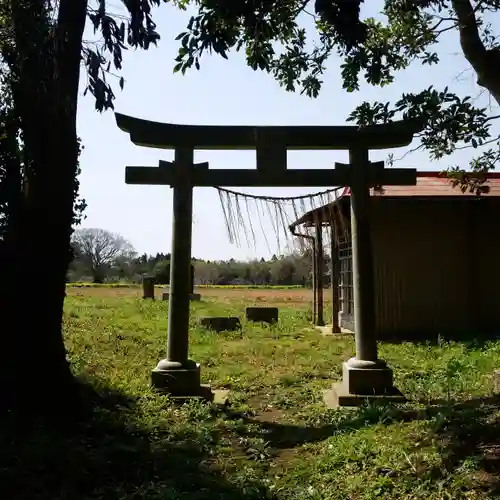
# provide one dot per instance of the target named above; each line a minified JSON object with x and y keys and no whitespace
{"x":105,"y":292}
{"x":284,"y":460}
{"x":271,"y":419}
{"x":299,"y":297}
{"x":269,"y":415}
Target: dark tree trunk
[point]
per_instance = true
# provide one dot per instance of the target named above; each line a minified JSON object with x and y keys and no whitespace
{"x":485,"y":61}
{"x":36,"y":373}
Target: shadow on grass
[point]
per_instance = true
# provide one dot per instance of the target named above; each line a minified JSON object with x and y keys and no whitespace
{"x":101,"y":454}
{"x":463,"y":432}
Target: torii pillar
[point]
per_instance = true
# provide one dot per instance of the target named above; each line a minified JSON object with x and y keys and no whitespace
{"x":364,"y":376}
{"x":178,"y":375}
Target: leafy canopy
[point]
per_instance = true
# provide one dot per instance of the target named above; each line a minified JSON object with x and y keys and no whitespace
{"x":117,"y":26}
{"x":130,"y":25}
{"x":272,"y":36}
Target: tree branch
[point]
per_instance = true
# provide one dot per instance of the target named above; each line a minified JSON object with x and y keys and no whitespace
{"x":495,"y":117}
{"x":393,"y":160}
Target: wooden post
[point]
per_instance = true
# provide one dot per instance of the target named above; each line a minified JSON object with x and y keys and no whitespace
{"x":314,"y":278}
{"x":191,"y":281}
{"x":320,"y":272}
{"x":334,"y":278}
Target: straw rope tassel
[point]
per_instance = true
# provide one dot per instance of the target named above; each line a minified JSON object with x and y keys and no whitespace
{"x":281,"y":212}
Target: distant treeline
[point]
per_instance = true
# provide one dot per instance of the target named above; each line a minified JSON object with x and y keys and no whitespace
{"x":104,"y":257}
{"x":285,"y":270}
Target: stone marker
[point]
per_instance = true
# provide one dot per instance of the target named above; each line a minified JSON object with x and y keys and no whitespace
{"x":221,"y":323}
{"x":148,"y":287}
{"x":264,"y":314}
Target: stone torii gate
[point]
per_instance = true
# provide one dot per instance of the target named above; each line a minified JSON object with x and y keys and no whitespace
{"x":179,"y":376}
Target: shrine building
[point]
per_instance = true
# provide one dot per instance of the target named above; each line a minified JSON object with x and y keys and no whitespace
{"x":434,"y":254}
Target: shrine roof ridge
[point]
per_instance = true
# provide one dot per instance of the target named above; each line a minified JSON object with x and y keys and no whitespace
{"x":244,"y":137}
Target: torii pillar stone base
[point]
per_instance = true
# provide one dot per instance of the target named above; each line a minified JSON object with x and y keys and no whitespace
{"x":182,"y":382}
{"x":363,"y":381}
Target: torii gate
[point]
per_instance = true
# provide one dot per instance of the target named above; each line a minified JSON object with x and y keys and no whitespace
{"x":365,"y":375}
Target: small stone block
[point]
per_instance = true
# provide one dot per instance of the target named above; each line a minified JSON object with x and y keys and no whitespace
{"x":338,"y":396}
{"x":367,"y":381}
{"x":264,"y":314}
{"x":221,"y":324}
{"x":194,"y":297}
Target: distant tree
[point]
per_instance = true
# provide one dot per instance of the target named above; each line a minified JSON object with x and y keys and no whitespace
{"x":161,"y":272}
{"x":283,"y":271}
{"x":99,"y":249}
{"x":205,"y":273}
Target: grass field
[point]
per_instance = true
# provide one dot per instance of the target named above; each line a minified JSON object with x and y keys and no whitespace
{"x":275,"y":440}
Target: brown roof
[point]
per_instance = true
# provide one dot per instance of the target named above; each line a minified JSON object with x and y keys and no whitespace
{"x":429,"y":185}
{"x":433,"y":184}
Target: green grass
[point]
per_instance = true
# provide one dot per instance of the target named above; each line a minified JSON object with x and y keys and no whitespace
{"x":276,"y":439}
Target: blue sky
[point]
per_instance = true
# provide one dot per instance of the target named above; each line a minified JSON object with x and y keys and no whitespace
{"x":223,"y":92}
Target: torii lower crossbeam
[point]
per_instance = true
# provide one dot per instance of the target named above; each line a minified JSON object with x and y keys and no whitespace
{"x":202,"y":176}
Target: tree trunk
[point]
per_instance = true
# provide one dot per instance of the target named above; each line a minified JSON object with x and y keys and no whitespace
{"x":486,"y":62}
{"x":36,"y":373}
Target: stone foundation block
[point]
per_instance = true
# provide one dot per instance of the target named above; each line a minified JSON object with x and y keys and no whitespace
{"x":221,"y":323}
{"x":263,"y":314}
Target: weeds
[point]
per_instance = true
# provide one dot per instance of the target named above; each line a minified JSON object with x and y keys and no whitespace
{"x":276,"y":440}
